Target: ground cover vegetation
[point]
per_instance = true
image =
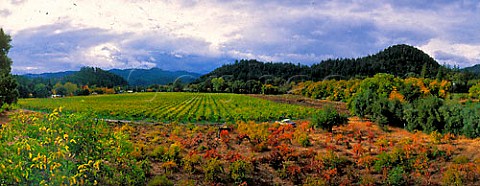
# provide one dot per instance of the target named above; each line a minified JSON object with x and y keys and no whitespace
{"x":74,"y":149}
{"x":66,"y":149}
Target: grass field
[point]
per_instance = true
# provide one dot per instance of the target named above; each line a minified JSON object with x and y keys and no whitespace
{"x":174,"y":107}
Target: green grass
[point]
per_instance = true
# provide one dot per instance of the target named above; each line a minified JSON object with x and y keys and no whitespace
{"x":173,"y":107}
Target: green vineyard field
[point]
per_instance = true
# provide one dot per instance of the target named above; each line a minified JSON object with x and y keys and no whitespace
{"x":174,"y":107}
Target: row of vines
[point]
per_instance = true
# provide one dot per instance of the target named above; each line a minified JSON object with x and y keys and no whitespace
{"x":174,"y":107}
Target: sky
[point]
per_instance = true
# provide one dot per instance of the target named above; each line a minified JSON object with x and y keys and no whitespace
{"x":201,"y":35}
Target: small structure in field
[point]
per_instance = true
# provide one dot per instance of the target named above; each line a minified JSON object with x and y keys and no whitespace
{"x":223,"y":128}
{"x":287,"y":122}
{"x":56,"y":96}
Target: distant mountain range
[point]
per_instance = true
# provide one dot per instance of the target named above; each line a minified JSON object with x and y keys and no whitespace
{"x":50,"y":75}
{"x":134,"y":77}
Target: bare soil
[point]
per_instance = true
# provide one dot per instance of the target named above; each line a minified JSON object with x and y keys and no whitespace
{"x":304,"y":101}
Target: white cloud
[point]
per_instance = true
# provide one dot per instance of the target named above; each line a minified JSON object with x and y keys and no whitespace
{"x":453,"y":53}
{"x":104,"y":55}
{"x":110,"y":55}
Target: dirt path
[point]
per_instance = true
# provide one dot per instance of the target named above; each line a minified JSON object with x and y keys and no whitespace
{"x":4,"y":118}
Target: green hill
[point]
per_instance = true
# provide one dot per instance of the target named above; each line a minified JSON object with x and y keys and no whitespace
{"x":245,"y":70}
{"x":475,"y":69}
{"x":399,"y":60}
{"x":93,"y":76}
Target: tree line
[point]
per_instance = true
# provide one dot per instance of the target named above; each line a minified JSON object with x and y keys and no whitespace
{"x":84,"y":82}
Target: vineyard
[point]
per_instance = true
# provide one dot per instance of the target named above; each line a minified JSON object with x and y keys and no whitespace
{"x":74,"y":149}
{"x":403,"y":132}
{"x":174,"y":107}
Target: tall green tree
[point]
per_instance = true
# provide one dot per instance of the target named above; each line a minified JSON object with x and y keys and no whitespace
{"x":41,"y":91}
{"x":8,"y":85}
{"x":218,"y":84}
{"x":423,"y":73}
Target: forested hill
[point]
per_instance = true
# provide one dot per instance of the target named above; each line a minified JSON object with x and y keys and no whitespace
{"x":94,"y":76}
{"x":399,"y":60}
{"x":91,"y":76}
{"x":146,"y":77}
{"x":245,"y":70}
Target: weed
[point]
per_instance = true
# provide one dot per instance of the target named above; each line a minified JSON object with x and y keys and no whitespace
{"x":161,"y":180}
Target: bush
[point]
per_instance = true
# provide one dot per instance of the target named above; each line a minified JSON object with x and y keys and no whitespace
{"x":361,"y":104}
{"x":474,"y":91}
{"x":436,"y":137}
{"x":314,"y":181}
{"x":424,"y":114}
{"x":160,"y":181}
{"x":471,"y":121}
{"x":453,"y":118}
{"x":173,"y":153}
{"x":410,"y":117}
{"x":304,"y":140}
{"x":384,"y":160}
{"x":454,"y":176}
{"x":189,"y":162}
{"x":158,"y":152}
{"x":239,"y":170}
{"x":331,"y":160}
{"x":396,"y":176}
{"x":166,"y":154}
{"x":412,"y":89}
{"x":212,"y":169}
{"x":386,"y":111}
{"x":461,"y":159}
{"x":328,"y":118}
{"x":84,"y":92}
